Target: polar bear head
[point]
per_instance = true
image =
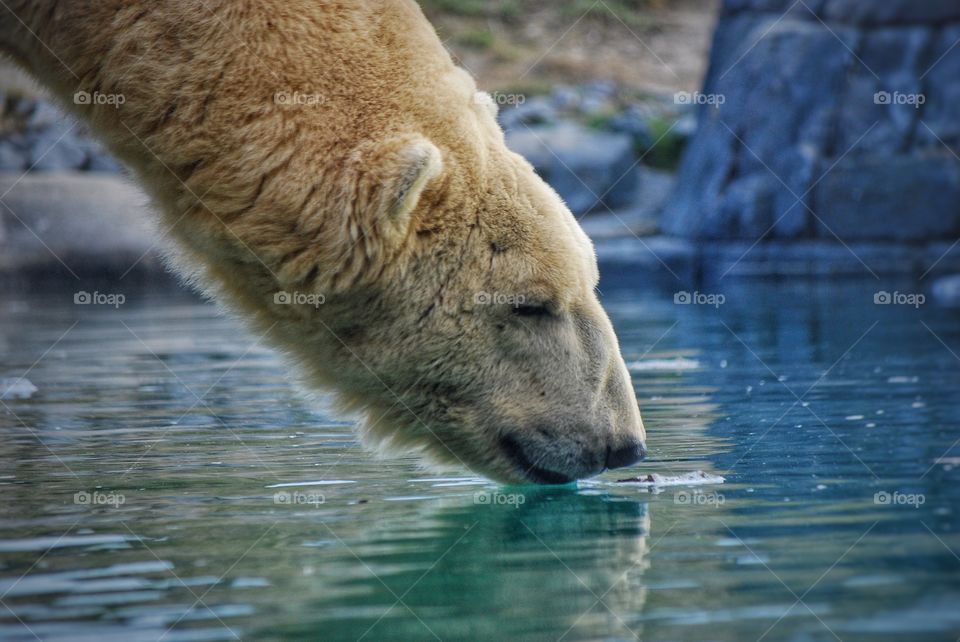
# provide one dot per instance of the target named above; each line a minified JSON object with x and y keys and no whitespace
{"x":472,"y":332}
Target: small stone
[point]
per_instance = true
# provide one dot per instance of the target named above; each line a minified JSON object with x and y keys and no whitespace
{"x":22,"y":108}
{"x":45,"y":115}
{"x":635,"y":121}
{"x":565,"y":98}
{"x":536,"y":111}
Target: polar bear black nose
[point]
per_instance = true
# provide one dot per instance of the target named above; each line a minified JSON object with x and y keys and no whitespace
{"x":626,"y":455}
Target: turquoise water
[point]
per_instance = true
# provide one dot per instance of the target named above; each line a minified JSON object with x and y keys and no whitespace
{"x":166,"y":481}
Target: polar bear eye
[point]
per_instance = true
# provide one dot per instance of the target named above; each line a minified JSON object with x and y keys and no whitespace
{"x":531,"y":310}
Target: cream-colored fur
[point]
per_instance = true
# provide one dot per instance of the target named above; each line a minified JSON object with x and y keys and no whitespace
{"x":332,"y":149}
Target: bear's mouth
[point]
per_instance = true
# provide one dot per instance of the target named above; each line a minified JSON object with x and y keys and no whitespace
{"x":514,"y":451}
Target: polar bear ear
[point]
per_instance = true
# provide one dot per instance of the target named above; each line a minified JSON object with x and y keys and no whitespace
{"x":416,"y":165}
{"x":389,"y":179}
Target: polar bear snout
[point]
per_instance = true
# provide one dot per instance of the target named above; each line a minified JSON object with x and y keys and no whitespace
{"x":626,"y":455}
{"x":565,"y":458}
{"x":576,"y":440}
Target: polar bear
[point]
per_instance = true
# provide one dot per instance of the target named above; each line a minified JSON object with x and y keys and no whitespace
{"x":324,"y":169}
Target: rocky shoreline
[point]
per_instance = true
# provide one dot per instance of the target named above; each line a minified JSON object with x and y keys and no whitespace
{"x":70,"y":210}
{"x":36,"y":136}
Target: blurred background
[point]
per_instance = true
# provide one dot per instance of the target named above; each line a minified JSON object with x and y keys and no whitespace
{"x":773,"y":190}
{"x":697,"y":139}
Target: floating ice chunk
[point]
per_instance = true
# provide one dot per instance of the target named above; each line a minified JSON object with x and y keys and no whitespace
{"x":696,"y":478}
{"x":854,"y":417}
{"x":20,"y":388}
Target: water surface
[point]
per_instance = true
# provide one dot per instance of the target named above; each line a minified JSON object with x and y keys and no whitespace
{"x":166,"y":481}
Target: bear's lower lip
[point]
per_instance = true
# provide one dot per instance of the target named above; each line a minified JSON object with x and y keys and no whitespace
{"x":534,"y":473}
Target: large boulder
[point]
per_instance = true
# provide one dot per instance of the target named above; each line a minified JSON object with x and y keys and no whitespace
{"x":79,"y":223}
{"x":901,"y":198}
{"x":828,"y":118}
{"x":857,"y":12}
{"x":891,"y":12}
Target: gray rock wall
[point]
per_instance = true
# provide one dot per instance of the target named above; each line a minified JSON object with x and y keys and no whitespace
{"x":826,"y":119}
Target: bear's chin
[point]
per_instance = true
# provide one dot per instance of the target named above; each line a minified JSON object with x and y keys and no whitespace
{"x":435,"y":453}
